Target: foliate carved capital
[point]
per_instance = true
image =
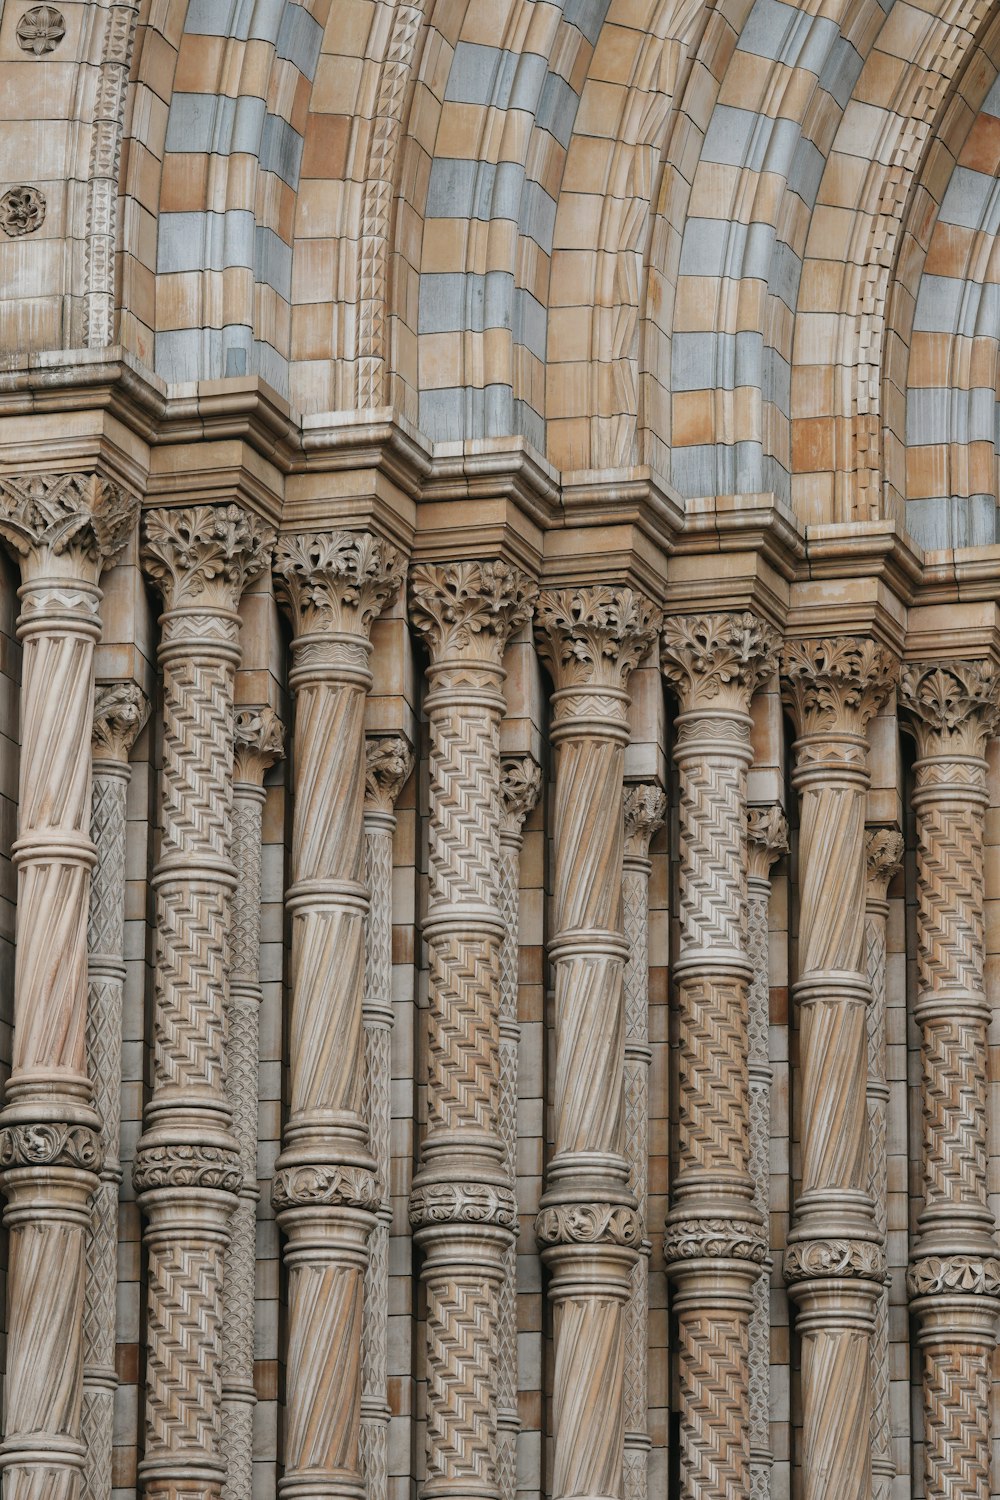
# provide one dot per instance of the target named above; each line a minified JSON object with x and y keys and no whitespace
{"x":120,"y":711}
{"x":714,"y":1239}
{"x":338,"y":581}
{"x":330,"y":1186}
{"x":814,"y":1260}
{"x":975,"y":1275}
{"x":84,"y":515}
{"x":258,"y":741}
{"x":836,"y":684}
{"x":767,"y":839}
{"x":717,"y":660}
{"x":50,"y":1145}
{"x":181,"y":1166}
{"x":204,"y":556}
{"x":388,"y":763}
{"x":645,"y":808}
{"x":470,"y":609}
{"x":520,"y":789}
{"x":463,"y":1203}
{"x":589,"y":1224}
{"x":594,"y":638}
{"x":954,"y":706}
{"x":883,"y":855}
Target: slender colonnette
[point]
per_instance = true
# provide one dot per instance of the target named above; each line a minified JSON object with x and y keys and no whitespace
{"x":389,"y":761}
{"x":187,"y":1170}
{"x":120,"y":711}
{"x":834,"y":1263}
{"x":954,"y":1276}
{"x":645,"y":807}
{"x":588,"y":1228}
{"x":767,"y":841}
{"x":259,"y":739}
{"x":462,"y":1205}
{"x":883,"y":852}
{"x":715,"y":1244}
{"x":325,"y":1193}
{"x":520,"y":789}
{"x":62,"y":529}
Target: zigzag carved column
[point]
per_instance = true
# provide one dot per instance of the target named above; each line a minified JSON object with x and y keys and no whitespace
{"x":462,"y":1206}
{"x":645,"y":806}
{"x":187,"y":1168}
{"x":334,"y":584}
{"x":767,"y":841}
{"x":389,"y":763}
{"x":883,"y":852}
{"x":834,"y":1263}
{"x":588,"y":1228}
{"x":258,"y":743}
{"x":62,"y":529}
{"x":120,"y":711}
{"x":954,"y":1279}
{"x":520,"y":788}
{"x":714,"y":1245}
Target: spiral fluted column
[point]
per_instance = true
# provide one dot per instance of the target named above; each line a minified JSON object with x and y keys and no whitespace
{"x":334,"y":585}
{"x":62,"y":529}
{"x":767,"y":841}
{"x":954,"y":1276}
{"x":714,"y":1245}
{"x":120,"y":711}
{"x":186,"y":1171}
{"x":834,"y":1262}
{"x":588,"y":1228}
{"x":258,"y":741}
{"x":462,"y":1206}
{"x":389,"y":761}
{"x":645,"y":806}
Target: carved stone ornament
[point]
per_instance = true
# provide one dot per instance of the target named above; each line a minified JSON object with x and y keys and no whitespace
{"x":41,"y":29}
{"x":975,"y":1274}
{"x":883,"y":854}
{"x":177,"y":1166}
{"x":469,"y":608}
{"x":703,"y":655}
{"x":306,"y":1186}
{"x":52,"y":1145}
{"x":836,"y":683}
{"x":388,"y":763}
{"x":463,"y":1203}
{"x":63,"y":511}
{"x":954,"y":707}
{"x":22,"y":210}
{"x":258,"y":741}
{"x":767,"y":838}
{"x":120,"y":711}
{"x":725,"y":1239}
{"x":589,"y":1224}
{"x":645,"y":808}
{"x":810,"y":1260}
{"x":336,"y":580}
{"x":595,"y":636}
{"x":204,"y":556}
{"x":520,"y":789}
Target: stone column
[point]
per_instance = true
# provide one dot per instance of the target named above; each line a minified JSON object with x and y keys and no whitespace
{"x":588,"y":1227}
{"x":187,"y":1171}
{"x":258,"y":743}
{"x":834,"y":1262}
{"x":767,"y":841}
{"x":462,"y":1207}
{"x":520,"y":788}
{"x":954,"y":1278}
{"x":389,"y":763}
{"x":883,"y":852}
{"x":62,"y":529}
{"x":120,"y":711}
{"x":714,"y":1244}
{"x":645,"y":806}
{"x":334,"y":584}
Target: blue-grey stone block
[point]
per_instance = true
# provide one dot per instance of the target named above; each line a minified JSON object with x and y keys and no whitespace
{"x":281,"y":150}
{"x":273,"y":262}
{"x":300,"y":38}
{"x":481,"y":75}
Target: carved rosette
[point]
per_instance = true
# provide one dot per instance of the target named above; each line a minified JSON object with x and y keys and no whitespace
{"x":833,"y":1264}
{"x":388,"y":764}
{"x":187,"y":1165}
{"x":954,"y":709}
{"x":325,"y":1193}
{"x":62,"y":530}
{"x":462,"y":1205}
{"x":592,"y":639}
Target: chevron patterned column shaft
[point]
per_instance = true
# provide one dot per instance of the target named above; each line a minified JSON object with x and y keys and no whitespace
{"x":714,"y":1245}
{"x":61,"y":529}
{"x":954,"y":1275}
{"x":835,"y":1260}
{"x":187,"y":1170}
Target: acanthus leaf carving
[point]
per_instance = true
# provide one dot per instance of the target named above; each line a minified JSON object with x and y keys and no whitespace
{"x":645,"y":807}
{"x":767,"y":839}
{"x":204,"y":556}
{"x":810,"y":1260}
{"x":470,"y":609}
{"x":717,"y":659}
{"x":595,"y":637}
{"x":463,"y":1203}
{"x":883,"y":855}
{"x":120,"y":711}
{"x":179,"y":1165}
{"x":50,"y":1145}
{"x":335,"y":1185}
{"x":723,"y":1238}
{"x":836,"y":683}
{"x":954,"y":706}
{"x":337,"y":581}
{"x":388,"y":764}
{"x":589,"y":1224}
{"x":520,"y":789}
{"x":81,"y":513}
{"x":258,"y":741}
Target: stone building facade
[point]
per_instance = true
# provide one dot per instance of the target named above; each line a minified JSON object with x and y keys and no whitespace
{"x":499,"y":749}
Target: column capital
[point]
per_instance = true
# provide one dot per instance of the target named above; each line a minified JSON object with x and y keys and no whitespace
{"x":767,"y":839}
{"x":883,"y":855}
{"x":470,"y":609}
{"x":593,"y":639}
{"x":836,"y":684}
{"x":388,"y":763}
{"x":520,"y":789}
{"x":336,"y":582}
{"x":203,"y":556}
{"x":717,"y":661}
{"x":120,"y":711}
{"x":954,"y":706}
{"x":258,"y":741}
{"x":83,"y":518}
{"x":645,"y":806}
